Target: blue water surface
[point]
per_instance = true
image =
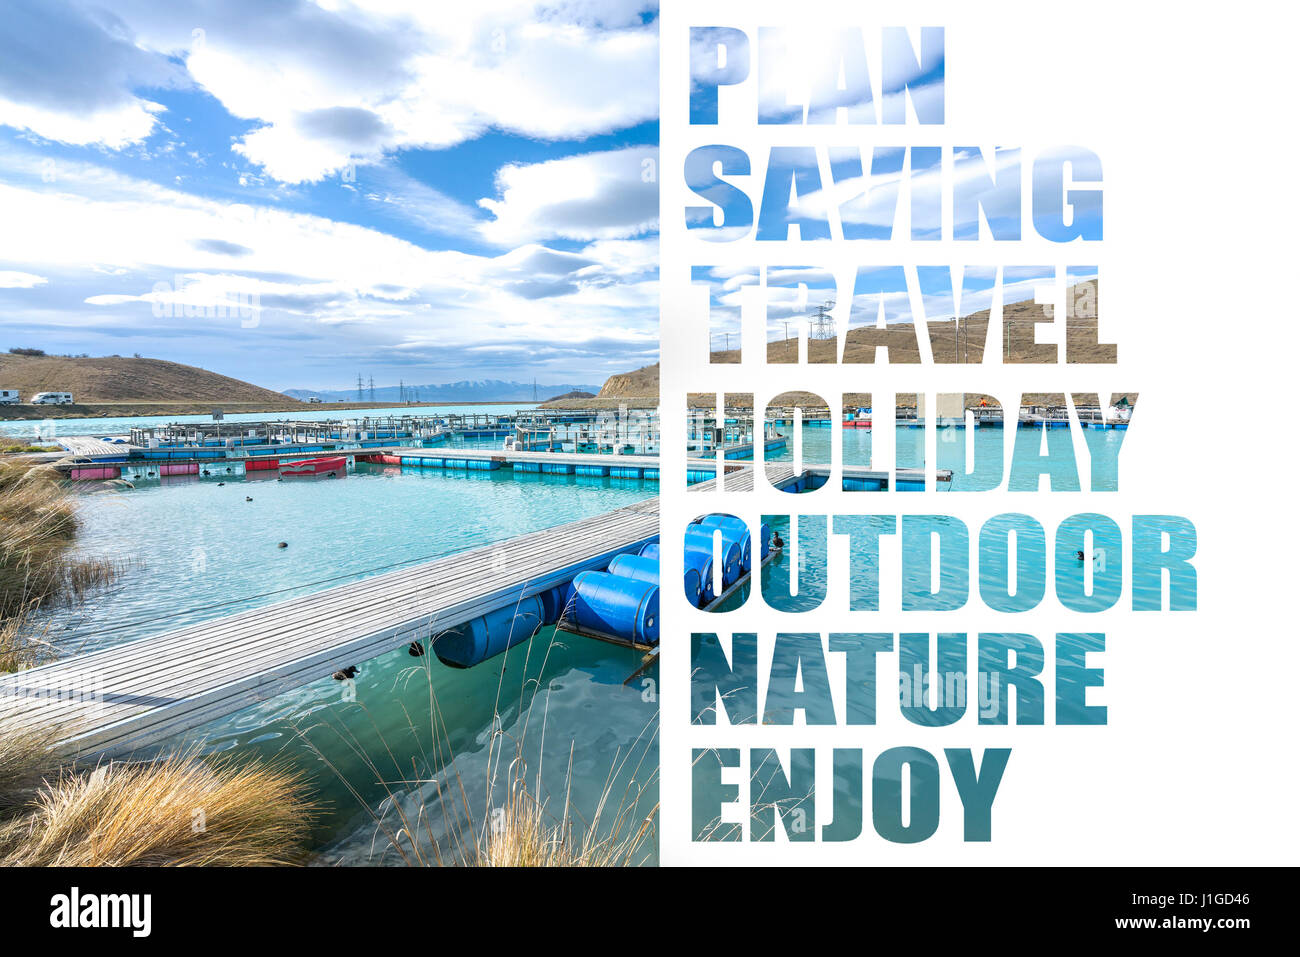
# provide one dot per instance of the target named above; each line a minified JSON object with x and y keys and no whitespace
{"x":196,"y":549}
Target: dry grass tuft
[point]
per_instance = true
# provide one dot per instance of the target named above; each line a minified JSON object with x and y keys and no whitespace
{"x":524,"y":834}
{"x":39,"y":518}
{"x":176,"y":811}
{"x":22,"y":648}
{"x":179,"y":810}
{"x":27,"y":759}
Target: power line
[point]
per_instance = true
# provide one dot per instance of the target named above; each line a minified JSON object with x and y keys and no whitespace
{"x":821,"y":322}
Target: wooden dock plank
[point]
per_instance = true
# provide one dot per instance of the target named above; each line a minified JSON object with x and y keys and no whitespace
{"x":159,"y":686}
{"x":84,"y":446}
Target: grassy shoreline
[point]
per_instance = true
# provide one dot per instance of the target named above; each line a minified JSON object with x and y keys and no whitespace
{"x":37,"y":566}
{"x":176,"y":810}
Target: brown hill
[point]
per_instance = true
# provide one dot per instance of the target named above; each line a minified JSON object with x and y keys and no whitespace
{"x":963,"y":340}
{"x":116,"y":379}
{"x":641,"y":384}
{"x":574,"y":394}
{"x":950,"y":341}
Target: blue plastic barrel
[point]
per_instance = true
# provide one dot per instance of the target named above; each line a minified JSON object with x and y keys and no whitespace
{"x":645,"y":568}
{"x":553,"y":603}
{"x":733,"y":530}
{"x":738,"y":526}
{"x":618,"y":606}
{"x":696,"y":560}
{"x":699,"y":539}
{"x":482,"y":638}
{"x":641,"y":567}
{"x":693,"y":586}
{"x":701,"y":563}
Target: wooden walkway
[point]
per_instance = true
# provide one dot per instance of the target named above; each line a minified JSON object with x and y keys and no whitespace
{"x":782,"y":471}
{"x":88,"y":445}
{"x":138,"y":693}
{"x":512,"y":456}
{"x":132,"y":695}
{"x":538,"y":457}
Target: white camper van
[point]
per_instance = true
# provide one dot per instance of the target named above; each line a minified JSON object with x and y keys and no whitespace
{"x":9,"y":397}
{"x":52,"y":398}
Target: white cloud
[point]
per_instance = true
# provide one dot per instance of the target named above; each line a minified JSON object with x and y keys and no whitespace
{"x":116,"y":128}
{"x":20,"y":280}
{"x":334,"y":84}
{"x":626,"y":258}
{"x":608,"y":195}
{"x":69,"y":73}
{"x":349,"y":83}
{"x":921,"y":191}
{"x":144,"y":246}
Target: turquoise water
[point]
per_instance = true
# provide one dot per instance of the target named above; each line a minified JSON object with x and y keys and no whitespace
{"x":988,"y":577}
{"x":895,"y":684}
{"x":195,"y":545}
{"x":963,"y":682}
{"x":989,"y":443}
{"x":27,"y":428}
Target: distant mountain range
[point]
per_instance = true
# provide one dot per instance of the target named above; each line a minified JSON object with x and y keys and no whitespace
{"x":482,"y":390}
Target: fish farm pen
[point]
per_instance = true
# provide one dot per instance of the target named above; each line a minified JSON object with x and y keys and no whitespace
{"x":243,"y":448}
{"x":627,"y":432}
{"x":580,"y":442}
{"x":640,"y":431}
{"x":284,"y":431}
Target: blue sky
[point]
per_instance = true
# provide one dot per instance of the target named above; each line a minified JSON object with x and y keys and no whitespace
{"x":294,"y":192}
